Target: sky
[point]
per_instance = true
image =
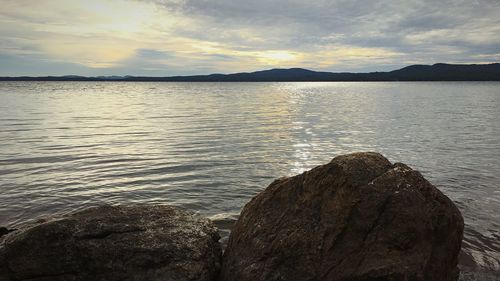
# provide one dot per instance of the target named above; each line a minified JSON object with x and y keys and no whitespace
{"x":183,"y":37}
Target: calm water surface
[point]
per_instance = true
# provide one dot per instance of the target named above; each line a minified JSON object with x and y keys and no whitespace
{"x":210,"y":147}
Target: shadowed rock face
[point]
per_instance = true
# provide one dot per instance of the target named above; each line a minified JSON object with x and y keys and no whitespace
{"x":113,"y":243}
{"x":357,"y":218}
{"x":4,"y":230}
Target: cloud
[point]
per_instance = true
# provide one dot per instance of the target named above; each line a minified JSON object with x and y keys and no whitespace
{"x":167,"y":37}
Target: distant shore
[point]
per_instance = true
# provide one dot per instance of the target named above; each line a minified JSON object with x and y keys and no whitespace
{"x":436,"y":72}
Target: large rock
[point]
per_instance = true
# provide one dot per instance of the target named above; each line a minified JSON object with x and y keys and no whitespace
{"x":114,"y":243}
{"x":357,"y":218}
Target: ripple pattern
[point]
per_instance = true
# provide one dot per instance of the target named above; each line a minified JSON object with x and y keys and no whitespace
{"x":210,"y":147}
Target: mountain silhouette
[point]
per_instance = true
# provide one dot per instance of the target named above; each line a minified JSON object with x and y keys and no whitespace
{"x":436,"y":72}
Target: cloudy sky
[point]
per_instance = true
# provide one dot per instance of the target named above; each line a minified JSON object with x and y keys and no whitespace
{"x":169,"y":37}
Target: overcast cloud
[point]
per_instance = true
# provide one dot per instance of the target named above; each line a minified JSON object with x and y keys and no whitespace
{"x":170,"y":37}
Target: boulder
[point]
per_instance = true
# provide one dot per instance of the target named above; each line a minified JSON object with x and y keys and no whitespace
{"x":358,"y":217}
{"x":113,"y":243}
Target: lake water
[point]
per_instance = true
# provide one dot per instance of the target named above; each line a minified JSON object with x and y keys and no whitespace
{"x":210,"y":147}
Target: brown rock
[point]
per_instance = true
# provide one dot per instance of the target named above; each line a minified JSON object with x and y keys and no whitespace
{"x":114,"y":243}
{"x":357,"y":218}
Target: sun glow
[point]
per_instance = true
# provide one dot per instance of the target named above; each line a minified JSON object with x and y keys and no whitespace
{"x":272,"y":57}
{"x":114,"y":34}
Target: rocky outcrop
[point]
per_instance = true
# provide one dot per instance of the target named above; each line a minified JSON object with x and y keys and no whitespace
{"x":113,"y":243}
{"x":357,"y":218}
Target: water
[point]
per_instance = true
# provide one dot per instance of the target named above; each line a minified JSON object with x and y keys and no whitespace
{"x":210,"y":147}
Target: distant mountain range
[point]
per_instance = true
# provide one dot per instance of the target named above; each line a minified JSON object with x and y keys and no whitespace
{"x":436,"y":72}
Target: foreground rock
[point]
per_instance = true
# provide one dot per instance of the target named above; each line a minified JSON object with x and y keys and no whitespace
{"x":4,"y":230}
{"x":114,"y":243}
{"x":357,"y":218}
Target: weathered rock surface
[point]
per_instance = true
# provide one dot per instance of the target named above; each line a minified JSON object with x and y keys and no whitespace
{"x":4,"y":230}
{"x":357,"y":218}
{"x":114,"y":243}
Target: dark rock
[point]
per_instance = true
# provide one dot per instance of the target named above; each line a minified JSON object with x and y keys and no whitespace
{"x":357,"y":218}
{"x":114,"y":243}
{"x":4,"y":230}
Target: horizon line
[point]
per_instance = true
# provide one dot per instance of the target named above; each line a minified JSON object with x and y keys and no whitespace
{"x":244,"y":72}
{"x":417,"y":72}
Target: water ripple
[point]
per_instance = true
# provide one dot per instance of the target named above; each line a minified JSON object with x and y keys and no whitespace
{"x":210,"y":147}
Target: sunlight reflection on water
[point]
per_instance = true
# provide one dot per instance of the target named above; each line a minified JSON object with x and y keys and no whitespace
{"x":210,"y":147}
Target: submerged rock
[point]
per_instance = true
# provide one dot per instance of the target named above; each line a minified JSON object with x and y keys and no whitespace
{"x":114,"y":243}
{"x":358,"y":217}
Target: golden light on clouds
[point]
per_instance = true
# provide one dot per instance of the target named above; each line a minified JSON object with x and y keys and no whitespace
{"x":89,"y":51}
{"x":199,"y":37}
{"x":277,"y":57}
{"x":104,"y":34}
{"x":331,"y":55}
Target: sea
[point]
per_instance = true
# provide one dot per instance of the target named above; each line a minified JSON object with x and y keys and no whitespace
{"x":211,"y":147}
